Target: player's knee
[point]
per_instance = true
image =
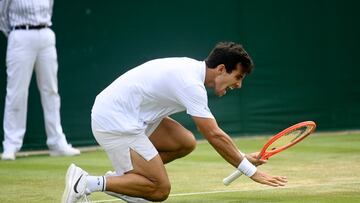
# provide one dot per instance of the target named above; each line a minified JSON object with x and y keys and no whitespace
{"x":190,"y":143}
{"x":161,"y":193}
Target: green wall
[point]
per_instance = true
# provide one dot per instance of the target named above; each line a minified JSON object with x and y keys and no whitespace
{"x":306,"y":55}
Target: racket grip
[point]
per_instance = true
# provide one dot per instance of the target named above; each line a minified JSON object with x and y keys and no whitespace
{"x":236,"y":174}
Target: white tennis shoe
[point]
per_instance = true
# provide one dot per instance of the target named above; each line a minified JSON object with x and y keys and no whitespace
{"x":111,"y":173}
{"x":75,"y":185}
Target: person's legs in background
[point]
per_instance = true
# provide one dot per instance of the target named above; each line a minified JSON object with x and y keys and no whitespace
{"x":46,"y":68}
{"x":20,"y":59}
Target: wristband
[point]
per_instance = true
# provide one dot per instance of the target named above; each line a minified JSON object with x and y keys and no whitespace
{"x":247,"y":168}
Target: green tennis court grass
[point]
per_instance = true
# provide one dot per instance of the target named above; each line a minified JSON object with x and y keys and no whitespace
{"x":322,"y":168}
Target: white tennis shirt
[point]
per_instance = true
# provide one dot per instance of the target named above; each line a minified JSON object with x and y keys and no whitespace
{"x":150,"y":92}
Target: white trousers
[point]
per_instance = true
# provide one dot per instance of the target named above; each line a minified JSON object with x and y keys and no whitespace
{"x":30,"y":50}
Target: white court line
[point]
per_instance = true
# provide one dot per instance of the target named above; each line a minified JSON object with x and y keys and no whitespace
{"x":238,"y":190}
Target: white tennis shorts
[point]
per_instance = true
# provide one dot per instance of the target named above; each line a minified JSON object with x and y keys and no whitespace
{"x":117,"y":146}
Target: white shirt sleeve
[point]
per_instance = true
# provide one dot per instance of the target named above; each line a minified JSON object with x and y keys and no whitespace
{"x":195,"y":100}
{"x":4,"y":21}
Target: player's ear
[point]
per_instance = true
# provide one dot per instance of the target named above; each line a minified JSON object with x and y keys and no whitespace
{"x":220,"y":68}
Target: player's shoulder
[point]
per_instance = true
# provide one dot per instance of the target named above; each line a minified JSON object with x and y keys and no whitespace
{"x":175,"y":60}
{"x":185,"y":63}
{"x":177,"y":65}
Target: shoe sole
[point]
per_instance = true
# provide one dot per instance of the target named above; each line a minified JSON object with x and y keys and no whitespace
{"x":68,"y":183}
{"x":126,"y":198}
{"x":8,"y":158}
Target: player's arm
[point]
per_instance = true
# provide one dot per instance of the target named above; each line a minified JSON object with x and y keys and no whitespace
{"x":221,"y":141}
{"x":224,"y":145}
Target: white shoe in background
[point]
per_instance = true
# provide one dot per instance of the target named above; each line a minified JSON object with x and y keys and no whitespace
{"x":8,"y":156}
{"x":64,"y":150}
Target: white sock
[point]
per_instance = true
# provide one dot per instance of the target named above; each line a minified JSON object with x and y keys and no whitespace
{"x":96,"y":183}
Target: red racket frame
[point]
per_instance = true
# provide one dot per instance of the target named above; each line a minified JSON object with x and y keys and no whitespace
{"x":266,"y":155}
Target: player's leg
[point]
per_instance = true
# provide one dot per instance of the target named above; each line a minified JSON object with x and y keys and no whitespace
{"x":20,"y":58}
{"x":172,"y":140}
{"x":135,"y":159}
{"x":148,"y":179}
{"x":141,"y":171}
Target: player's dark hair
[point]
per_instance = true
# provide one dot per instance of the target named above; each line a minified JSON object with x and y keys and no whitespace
{"x":229,"y":54}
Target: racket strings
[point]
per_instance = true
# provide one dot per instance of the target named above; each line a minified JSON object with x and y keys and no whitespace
{"x":289,"y":138}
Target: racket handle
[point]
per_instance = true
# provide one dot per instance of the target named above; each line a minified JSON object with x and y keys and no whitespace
{"x":236,"y":174}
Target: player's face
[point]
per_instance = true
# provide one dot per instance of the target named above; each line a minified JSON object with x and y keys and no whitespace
{"x":229,"y":81}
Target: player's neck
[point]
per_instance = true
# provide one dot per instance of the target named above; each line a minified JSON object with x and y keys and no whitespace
{"x":210,"y":76}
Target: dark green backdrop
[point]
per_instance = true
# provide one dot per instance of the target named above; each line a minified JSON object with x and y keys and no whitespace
{"x":306,"y":55}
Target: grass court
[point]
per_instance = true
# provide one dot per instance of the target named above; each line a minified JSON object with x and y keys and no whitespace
{"x":324,"y":168}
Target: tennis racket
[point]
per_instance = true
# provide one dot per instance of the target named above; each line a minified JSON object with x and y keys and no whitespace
{"x":278,"y":143}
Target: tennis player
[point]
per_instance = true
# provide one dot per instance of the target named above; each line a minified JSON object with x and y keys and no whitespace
{"x":130,"y":120}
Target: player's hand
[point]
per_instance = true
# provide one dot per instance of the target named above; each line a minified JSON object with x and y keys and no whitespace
{"x":253,"y":158}
{"x":266,"y":179}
